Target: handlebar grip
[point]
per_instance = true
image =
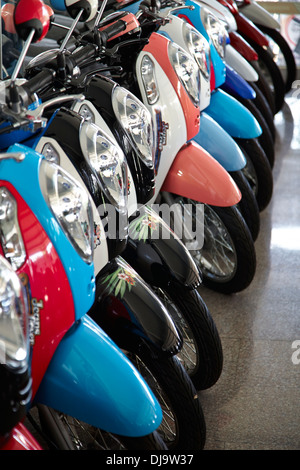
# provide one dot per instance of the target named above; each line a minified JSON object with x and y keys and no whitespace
{"x":83,"y":53}
{"x":108,"y":32}
{"x":40,"y":81}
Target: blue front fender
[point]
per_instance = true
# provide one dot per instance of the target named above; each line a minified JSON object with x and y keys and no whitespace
{"x":89,"y":378}
{"x":219,"y":144}
{"x":237,"y":85}
{"x":233,"y":116}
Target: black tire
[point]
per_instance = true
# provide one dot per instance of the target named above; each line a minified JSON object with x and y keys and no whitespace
{"x":262,"y":104}
{"x":182,"y":410}
{"x":239,"y":237}
{"x":265,"y":139}
{"x":227,"y":258}
{"x":258,"y":171}
{"x":264,"y":86}
{"x":63,"y":432}
{"x":287,"y":53}
{"x":271,"y":69}
{"x":202,"y":354}
{"x":248,"y":204}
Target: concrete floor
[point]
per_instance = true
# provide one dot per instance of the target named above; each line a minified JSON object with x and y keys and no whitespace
{"x":255,"y":404}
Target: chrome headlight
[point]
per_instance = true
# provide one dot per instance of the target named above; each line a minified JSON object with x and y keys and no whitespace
{"x":108,"y":162}
{"x":136,"y":121}
{"x":187,"y":71}
{"x":216,"y":30}
{"x":10,"y":233}
{"x":14,"y":338}
{"x":198,"y":47}
{"x":70,"y":204}
{"x":149,"y":80}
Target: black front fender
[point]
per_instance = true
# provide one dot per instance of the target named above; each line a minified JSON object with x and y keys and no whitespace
{"x":157,"y":254}
{"x":130,"y":313}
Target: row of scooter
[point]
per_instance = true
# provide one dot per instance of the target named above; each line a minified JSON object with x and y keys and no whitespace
{"x":137,"y":145}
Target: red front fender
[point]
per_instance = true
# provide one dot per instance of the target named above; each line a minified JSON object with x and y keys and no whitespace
{"x":196,"y":175}
{"x":21,"y":439}
{"x":242,"y":46}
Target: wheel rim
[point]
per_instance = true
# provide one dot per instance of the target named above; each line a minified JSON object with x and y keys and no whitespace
{"x":168,"y":428}
{"x":86,"y":437}
{"x":188,"y":355}
{"x":217,"y":258}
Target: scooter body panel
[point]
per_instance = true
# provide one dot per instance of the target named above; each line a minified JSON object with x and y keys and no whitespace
{"x":169,"y":127}
{"x":158,"y":48}
{"x":100,"y":245}
{"x":242,"y":46}
{"x":174,"y":31}
{"x":233,"y":116}
{"x":88,"y":364}
{"x":248,"y":29}
{"x":194,"y":17}
{"x":236,"y":85}
{"x":35,"y":200}
{"x":216,"y":141}
{"x":159,"y":256}
{"x":235,"y":60}
{"x":196,"y":175}
{"x":101,"y":123}
{"x":129,"y":312}
{"x":259,"y":15}
{"x":220,"y":11}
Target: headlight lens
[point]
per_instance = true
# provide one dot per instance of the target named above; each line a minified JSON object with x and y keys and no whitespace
{"x":14,"y":339}
{"x":187,"y":71}
{"x":108,"y":162}
{"x":136,"y":121}
{"x":10,"y":233}
{"x":198,"y":48}
{"x":149,"y":80}
{"x":71,"y":206}
{"x":216,"y":30}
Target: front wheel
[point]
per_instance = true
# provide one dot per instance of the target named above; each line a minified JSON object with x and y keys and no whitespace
{"x":63,"y":432}
{"x":201,"y":354}
{"x":258,"y":171}
{"x":248,"y":204}
{"x":286,"y":54}
{"x":227,"y":256}
{"x":183,"y":425}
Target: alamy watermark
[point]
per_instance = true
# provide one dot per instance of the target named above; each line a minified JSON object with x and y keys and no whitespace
{"x":296,"y":88}
{"x":157,"y":221}
{"x":296,"y":354}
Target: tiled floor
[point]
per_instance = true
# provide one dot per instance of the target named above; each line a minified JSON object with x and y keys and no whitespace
{"x":256,"y":402}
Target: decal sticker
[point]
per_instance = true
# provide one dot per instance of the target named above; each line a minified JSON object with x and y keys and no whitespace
{"x":97,"y":235}
{"x":161,"y":138}
{"x":145,"y":225}
{"x":119,"y":281}
{"x":35,"y":306}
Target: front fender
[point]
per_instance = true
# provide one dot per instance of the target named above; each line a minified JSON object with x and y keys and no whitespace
{"x":157,"y":254}
{"x":196,"y":175}
{"x":233,"y":116}
{"x":219,"y":144}
{"x":259,"y":15}
{"x":235,"y":60}
{"x":129,"y":311}
{"x":236,"y":85}
{"x":90,"y":379}
{"x":242,"y":46}
{"x":248,"y":29}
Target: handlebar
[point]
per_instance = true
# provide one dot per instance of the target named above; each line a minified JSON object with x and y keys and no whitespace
{"x":108,"y":32}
